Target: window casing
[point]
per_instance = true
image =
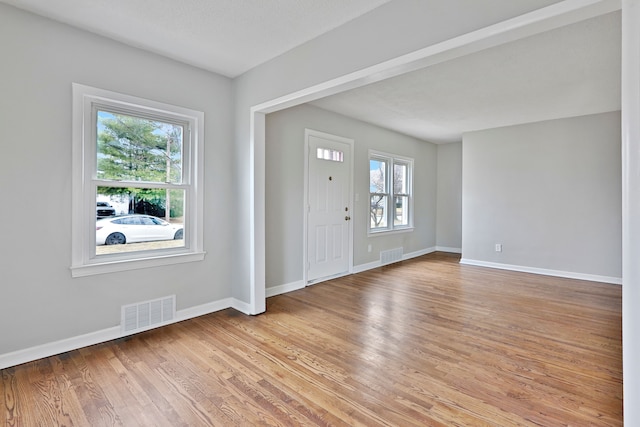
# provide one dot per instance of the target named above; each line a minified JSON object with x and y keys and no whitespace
{"x":390,"y":193}
{"x":146,"y":155}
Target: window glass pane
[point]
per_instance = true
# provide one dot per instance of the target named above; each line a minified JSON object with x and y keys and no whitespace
{"x":329,"y":154}
{"x":377,"y":176}
{"x":400,"y":178}
{"x":138,"y":149}
{"x":378,"y":211}
{"x":144,"y":219}
{"x":401,"y":210}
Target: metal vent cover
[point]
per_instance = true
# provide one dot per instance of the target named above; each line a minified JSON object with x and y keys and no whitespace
{"x":390,"y":256}
{"x":148,"y":314}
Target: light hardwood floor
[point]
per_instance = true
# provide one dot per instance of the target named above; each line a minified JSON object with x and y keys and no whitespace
{"x":424,"y":342}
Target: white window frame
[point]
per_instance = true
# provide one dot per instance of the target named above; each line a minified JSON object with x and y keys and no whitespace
{"x":391,"y":160}
{"x":84,"y":261}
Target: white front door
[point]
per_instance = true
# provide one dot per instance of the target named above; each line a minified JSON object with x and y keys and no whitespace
{"x":329,"y":206}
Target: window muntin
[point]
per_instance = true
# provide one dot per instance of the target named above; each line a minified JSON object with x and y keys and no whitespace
{"x":140,"y":157}
{"x":390,"y":193}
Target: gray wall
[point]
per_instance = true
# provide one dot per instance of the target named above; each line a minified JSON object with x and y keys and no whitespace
{"x":41,"y":303}
{"x":550,"y":192}
{"x":285,"y":190}
{"x":449,"y":204}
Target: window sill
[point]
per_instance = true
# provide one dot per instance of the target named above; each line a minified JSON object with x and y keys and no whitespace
{"x":134,"y":264}
{"x":389,"y":232}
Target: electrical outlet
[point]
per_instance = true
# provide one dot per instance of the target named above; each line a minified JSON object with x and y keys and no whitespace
{"x":369,"y":248}
{"x":498,"y":247}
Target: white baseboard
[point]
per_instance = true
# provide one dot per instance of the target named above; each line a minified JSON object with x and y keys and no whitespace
{"x":544,"y":271}
{"x":201,"y":310}
{"x":283,"y":289}
{"x":45,"y":350}
{"x":448,"y":249}
{"x":364,"y":267}
{"x":51,"y":349}
{"x":375,"y":264}
{"x":241,"y":306}
{"x":419,"y":253}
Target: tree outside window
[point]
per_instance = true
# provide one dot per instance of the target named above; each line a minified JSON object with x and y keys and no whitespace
{"x":141,"y":150}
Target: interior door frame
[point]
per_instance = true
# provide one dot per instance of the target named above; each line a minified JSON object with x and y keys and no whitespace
{"x":305,"y":208}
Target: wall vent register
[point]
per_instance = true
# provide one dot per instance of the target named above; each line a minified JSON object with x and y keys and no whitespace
{"x":148,"y":314}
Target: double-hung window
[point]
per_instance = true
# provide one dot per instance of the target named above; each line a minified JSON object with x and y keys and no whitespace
{"x":390,"y":192}
{"x":137,"y":182}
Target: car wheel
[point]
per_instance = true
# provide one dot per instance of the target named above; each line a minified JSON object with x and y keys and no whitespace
{"x":115,"y":239}
{"x":179,"y":235}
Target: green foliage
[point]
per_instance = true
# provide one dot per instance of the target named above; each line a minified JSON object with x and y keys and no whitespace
{"x":137,"y":149}
{"x":140,"y":150}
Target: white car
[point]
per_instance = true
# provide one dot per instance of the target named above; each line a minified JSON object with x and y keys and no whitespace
{"x":135,"y":228}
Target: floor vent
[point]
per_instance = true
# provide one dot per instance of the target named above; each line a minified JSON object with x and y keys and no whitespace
{"x":148,"y":314}
{"x":390,"y":256}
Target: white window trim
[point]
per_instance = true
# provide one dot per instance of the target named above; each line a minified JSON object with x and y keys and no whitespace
{"x":83,"y":259}
{"x":391,"y":228}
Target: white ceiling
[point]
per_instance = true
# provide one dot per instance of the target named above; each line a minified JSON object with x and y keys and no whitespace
{"x":566,"y":72}
{"x":227,"y":37}
{"x":571,"y":71}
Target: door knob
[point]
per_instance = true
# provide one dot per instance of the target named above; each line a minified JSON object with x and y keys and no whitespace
{"x":347,"y":218}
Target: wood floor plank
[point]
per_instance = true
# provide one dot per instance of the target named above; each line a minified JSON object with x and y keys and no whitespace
{"x":424,"y":342}
{"x":8,"y":388}
{"x":26,"y":398}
